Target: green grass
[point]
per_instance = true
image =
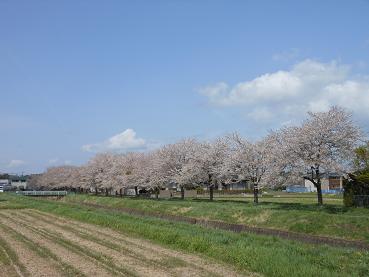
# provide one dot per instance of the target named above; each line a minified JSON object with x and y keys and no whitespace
{"x":298,"y":214}
{"x":269,"y":256}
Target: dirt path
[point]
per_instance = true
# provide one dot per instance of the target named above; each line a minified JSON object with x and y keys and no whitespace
{"x":98,"y":251}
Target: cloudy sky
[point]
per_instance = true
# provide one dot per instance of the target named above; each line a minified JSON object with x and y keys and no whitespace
{"x":80,"y":77}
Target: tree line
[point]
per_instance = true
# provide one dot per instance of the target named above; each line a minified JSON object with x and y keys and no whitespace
{"x":324,"y":142}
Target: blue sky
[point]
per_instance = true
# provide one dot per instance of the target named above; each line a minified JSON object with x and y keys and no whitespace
{"x":79,"y":77}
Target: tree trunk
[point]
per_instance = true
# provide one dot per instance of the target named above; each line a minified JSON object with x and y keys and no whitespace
{"x":136,"y":191}
{"x":319,"y":192}
{"x":106,"y":192}
{"x":256,"y":194}
{"x":211,"y":192}
{"x":182,"y":192}
{"x":157,"y":193}
{"x":319,"y":187}
{"x":121,"y":192}
{"x":96,"y":191}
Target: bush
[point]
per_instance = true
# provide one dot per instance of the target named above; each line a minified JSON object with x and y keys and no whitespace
{"x":356,"y":190}
{"x":348,"y":195}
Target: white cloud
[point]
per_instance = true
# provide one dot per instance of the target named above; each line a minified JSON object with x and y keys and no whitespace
{"x":124,"y":141}
{"x":308,"y":85}
{"x":16,"y":163}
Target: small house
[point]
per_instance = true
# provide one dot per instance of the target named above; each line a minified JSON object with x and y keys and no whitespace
{"x":331,"y":183}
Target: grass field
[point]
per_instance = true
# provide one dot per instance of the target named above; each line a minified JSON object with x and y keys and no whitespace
{"x":296,"y":213}
{"x":79,"y":230}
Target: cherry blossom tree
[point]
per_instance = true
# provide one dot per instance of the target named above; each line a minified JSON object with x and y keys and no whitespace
{"x":97,"y":172}
{"x":324,"y":142}
{"x":133,"y":168}
{"x":249,"y":161}
{"x":34,"y":182}
{"x":172,"y":160}
{"x":150,"y":176}
{"x":58,"y":177}
{"x":205,"y":167}
{"x":118,"y":173}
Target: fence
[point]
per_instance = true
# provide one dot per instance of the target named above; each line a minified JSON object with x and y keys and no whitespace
{"x":332,"y":191}
{"x":297,"y":189}
{"x":43,"y":193}
{"x":306,"y":189}
{"x":361,"y":200}
{"x":225,"y":192}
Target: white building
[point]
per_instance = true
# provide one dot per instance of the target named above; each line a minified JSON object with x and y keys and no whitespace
{"x":4,"y":184}
{"x":18,"y":182}
{"x":330,"y":181}
{"x":13,"y":182}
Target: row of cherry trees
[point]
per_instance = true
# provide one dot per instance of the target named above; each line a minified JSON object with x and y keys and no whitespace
{"x":324,"y":142}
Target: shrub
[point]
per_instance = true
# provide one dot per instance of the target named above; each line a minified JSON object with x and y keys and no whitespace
{"x":356,"y":190}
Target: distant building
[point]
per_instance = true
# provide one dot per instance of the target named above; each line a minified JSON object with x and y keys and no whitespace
{"x":239,"y":185}
{"x":4,"y":185}
{"x":331,"y":183}
{"x":235,"y":184}
{"x":18,"y":182}
{"x":13,"y":182}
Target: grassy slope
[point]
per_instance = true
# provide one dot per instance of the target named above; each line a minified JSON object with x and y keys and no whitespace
{"x":295,"y":214}
{"x":265,"y":255}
